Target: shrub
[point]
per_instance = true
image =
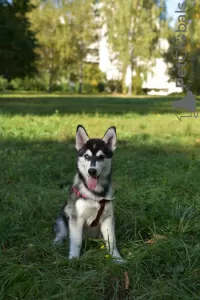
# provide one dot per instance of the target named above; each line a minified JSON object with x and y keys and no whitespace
{"x":88,"y":88}
{"x":101,"y":87}
{"x":29,"y":84}
{"x":73,"y":76}
{"x":114,"y":86}
{"x":64,"y":87}
{"x":137,"y":85}
{"x":35,"y":84}
{"x":16,"y":84}
{"x":92,"y":73}
{"x":3,"y":84}
{"x":60,"y":87}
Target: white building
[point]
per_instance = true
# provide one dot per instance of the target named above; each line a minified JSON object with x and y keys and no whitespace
{"x":158,"y":81}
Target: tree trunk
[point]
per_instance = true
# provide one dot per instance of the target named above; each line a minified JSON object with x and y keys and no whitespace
{"x":80,"y":78}
{"x":124,"y":87}
{"x":50,"y":83}
{"x":130,"y":87}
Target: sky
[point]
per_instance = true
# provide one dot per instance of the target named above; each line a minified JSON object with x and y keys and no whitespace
{"x":172,"y":6}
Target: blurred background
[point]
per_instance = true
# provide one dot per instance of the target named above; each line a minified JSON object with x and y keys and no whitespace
{"x":95,"y":46}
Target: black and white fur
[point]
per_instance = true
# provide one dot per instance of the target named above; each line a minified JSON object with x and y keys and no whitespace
{"x":94,"y":159}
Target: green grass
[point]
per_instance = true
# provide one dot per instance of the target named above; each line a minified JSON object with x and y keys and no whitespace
{"x":156,"y":171}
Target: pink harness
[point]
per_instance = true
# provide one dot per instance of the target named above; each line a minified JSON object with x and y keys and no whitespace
{"x":100,"y":211}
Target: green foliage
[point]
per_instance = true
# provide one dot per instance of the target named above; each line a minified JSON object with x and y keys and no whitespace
{"x":137,"y":85}
{"x":91,"y":72}
{"x":190,"y":49}
{"x":83,"y":29}
{"x":30,"y":84}
{"x":16,"y":84}
{"x":3,"y":84}
{"x":52,"y":32}
{"x":84,"y":32}
{"x":63,"y":38}
{"x":57,"y":38}
{"x":101,"y":87}
{"x":94,"y":79}
{"x":133,"y":31}
{"x":88,"y":88}
{"x":17,"y":42}
{"x":114,"y":86}
{"x":73,"y":76}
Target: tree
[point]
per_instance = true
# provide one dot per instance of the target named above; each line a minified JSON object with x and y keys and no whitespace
{"x":17,"y":41}
{"x":184,"y":51}
{"x":64,"y":30}
{"x":50,"y":22}
{"x":84,"y":27}
{"x":133,"y":29}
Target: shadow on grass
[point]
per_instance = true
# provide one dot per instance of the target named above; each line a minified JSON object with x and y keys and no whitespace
{"x":157,"y":193}
{"x":76,"y":105}
{"x":148,"y":180}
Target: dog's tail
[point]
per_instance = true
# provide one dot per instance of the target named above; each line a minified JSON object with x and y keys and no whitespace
{"x":60,"y":228}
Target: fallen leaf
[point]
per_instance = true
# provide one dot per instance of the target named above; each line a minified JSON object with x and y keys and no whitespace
{"x":150,"y":242}
{"x":155,"y":237}
{"x":126,"y":281}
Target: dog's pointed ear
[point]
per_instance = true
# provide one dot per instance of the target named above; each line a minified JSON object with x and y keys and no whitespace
{"x":81,"y":137}
{"x":110,"y":138}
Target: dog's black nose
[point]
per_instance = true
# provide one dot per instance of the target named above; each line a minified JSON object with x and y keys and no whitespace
{"x":92,"y":171}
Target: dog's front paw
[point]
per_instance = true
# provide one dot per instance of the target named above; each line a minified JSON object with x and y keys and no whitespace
{"x":73,"y":257}
{"x":119,"y":260}
{"x":59,"y":240}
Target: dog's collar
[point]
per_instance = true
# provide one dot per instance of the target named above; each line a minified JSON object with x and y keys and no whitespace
{"x":100,"y":211}
{"x":77,"y":193}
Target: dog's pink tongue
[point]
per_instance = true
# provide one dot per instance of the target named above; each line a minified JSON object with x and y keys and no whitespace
{"x":92,"y":183}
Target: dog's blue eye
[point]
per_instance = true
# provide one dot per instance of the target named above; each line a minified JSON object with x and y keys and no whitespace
{"x":86,"y":156}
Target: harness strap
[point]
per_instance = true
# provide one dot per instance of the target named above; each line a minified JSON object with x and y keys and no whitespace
{"x":100,"y":211}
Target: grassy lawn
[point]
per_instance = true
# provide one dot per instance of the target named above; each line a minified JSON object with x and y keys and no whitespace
{"x":156,"y":172}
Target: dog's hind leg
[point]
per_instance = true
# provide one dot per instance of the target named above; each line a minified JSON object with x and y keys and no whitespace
{"x":60,"y":228}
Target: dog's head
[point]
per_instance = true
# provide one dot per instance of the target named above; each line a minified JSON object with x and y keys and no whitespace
{"x":95,"y":155}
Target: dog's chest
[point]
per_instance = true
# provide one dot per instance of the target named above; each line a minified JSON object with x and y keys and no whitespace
{"x":88,"y":209}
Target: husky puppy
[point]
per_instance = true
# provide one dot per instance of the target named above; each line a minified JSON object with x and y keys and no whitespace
{"x":89,"y":209}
